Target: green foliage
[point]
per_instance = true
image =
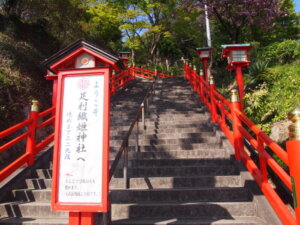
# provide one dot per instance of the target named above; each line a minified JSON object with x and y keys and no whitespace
{"x":101,"y":22}
{"x":281,"y":52}
{"x":258,"y":67}
{"x":276,"y":96}
{"x":285,"y":27}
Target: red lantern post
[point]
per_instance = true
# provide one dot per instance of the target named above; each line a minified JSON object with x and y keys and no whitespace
{"x":237,"y":56}
{"x":124,"y":56}
{"x":204,"y":54}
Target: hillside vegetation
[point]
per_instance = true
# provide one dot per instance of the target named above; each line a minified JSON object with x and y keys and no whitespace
{"x":22,"y":48}
{"x":274,"y":83}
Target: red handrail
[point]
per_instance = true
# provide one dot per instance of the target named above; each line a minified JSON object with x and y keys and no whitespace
{"x":226,"y":113}
{"x":149,"y":74}
{"x":32,"y":147}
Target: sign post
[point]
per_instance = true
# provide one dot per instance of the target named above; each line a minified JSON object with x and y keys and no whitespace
{"x":81,"y":150}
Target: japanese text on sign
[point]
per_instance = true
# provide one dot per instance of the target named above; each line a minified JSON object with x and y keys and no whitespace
{"x":81,"y":140}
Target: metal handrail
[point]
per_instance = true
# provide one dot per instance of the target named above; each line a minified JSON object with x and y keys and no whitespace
{"x":124,"y":146}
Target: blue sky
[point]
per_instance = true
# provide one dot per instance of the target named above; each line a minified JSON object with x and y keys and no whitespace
{"x":297,"y":2}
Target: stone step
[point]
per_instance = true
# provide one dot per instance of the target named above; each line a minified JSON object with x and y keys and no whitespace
{"x":161,"y":121}
{"x":168,"y":135}
{"x":180,"y":154}
{"x":34,"y":221}
{"x":143,"y":143}
{"x":199,"y":130}
{"x":33,"y":195}
{"x":185,"y":171}
{"x":44,"y":173}
{"x":177,"y":182}
{"x":37,"y":183}
{"x":179,"y":162}
{"x":175,"y":115}
{"x":175,"y":147}
{"x":30,"y":209}
{"x":222,"y":194}
{"x":185,"y":110}
{"x":166,"y":124}
{"x":191,"y":221}
{"x":215,"y":210}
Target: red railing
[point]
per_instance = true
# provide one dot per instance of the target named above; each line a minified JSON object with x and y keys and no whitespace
{"x":118,"y":81}
{"x":30,"y":129}
{"x":149,"y":74}
{"x":239,"y":129}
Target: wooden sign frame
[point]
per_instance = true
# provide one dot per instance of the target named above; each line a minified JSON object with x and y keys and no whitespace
{"x":58,"y":161}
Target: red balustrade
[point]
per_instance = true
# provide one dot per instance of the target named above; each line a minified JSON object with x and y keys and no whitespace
{"x":118,"y":81}
{"x":149,"y":74}
{"x":32,"y":127}
{"x":238,"y":129}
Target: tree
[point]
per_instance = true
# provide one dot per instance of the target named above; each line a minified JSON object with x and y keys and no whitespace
{"x":286,"y":26}
{"x":153,"y":14}
{"x":101,"y":21}
{"x":133,"y":27}
{"x":236,"y":16}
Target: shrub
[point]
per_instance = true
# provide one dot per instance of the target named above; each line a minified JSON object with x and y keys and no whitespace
{"x":276,"y":96}
{"x":281,"y":52}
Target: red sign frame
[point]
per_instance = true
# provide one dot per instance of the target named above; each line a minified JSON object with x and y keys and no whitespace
{"x":81,"y":207}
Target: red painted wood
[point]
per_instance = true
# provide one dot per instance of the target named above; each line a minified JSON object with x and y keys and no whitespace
{"x":294,"y":159}
{"x":82,"y":207}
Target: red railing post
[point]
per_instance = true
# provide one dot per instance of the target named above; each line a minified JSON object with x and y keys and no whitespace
{"x":201,"y":86}
{"x":113,"y":82}
{"x":222,"y":109}
{"x":30,"y":142}
{"x":187,"y":72}
{"x":190,"y":73}
{"x":122,"y":79}
{"x":213,"y":108}
{"x":87,"y":218}
{"x":206,"y":75}
{"x":262,"y":158}
{"x":74,"y":218}
{"x":184,"y":69}
{"x":197,"y":81}
{"x":132,"y":71}
{"x":194,"y":75}
{"x":240,"y":82}
{"x":236,"y":124}
{"x":293,"y":149}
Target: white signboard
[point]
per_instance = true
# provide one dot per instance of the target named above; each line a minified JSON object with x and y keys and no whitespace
{"x":81,"y":152}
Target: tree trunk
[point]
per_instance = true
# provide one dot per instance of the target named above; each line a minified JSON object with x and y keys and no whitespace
{"x":132,"y":56}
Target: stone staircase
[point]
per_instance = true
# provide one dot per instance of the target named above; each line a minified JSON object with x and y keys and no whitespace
{"x":183,"y":173}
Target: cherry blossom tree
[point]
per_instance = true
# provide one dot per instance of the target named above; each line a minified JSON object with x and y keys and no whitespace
{"x":238,"y":15}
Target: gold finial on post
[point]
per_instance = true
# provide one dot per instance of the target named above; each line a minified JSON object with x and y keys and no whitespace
{"x":294,"y":128}
{"x":35,"y":106}
{"x":234,"y":96}
{"x":211,"y":80}
{"x":194,"y":67}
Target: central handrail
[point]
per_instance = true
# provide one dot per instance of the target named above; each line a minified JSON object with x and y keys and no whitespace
{"x":124,"y":146}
